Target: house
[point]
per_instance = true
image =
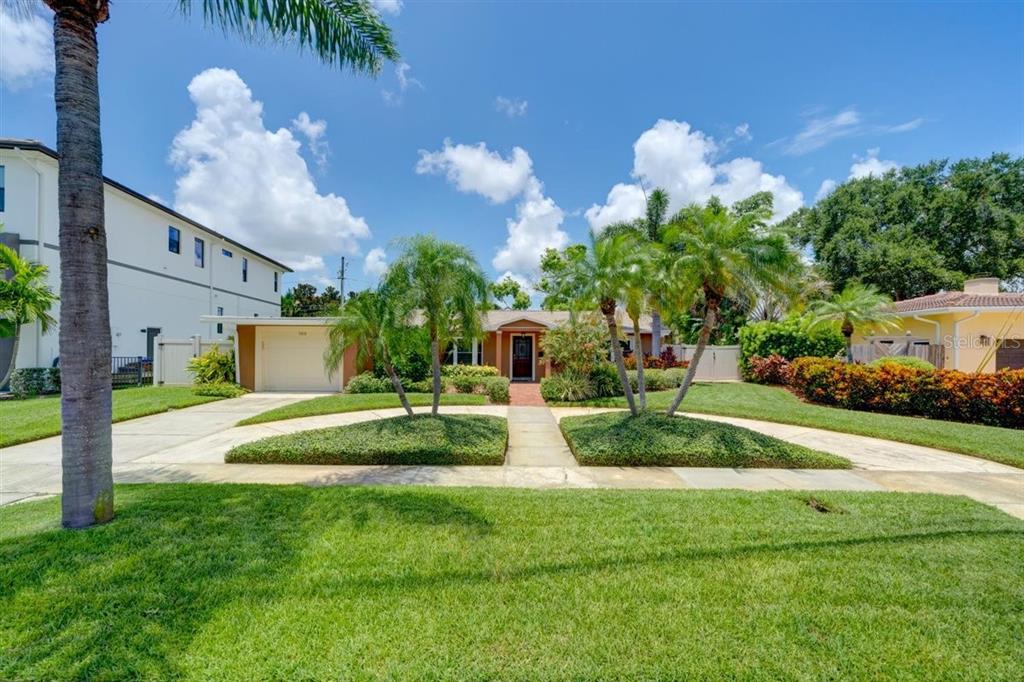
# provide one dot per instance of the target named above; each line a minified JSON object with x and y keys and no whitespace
{"x":286,"y":353}
{"x":979,"y":328}
{"x":165,"y":270}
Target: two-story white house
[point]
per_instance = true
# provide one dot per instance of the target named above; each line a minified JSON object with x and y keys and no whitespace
{"x":164,"y":269}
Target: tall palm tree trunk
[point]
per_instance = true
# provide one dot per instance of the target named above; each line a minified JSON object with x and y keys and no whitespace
{"x":396,"y":383}
{"x":88,"y":486}
{"x":14,"y":357}
{"x":608,"y":308}
{"x":435,"y":364}
{"x":656,"y":334}
{"x":710,"y":320}
{"x":638,"y":353}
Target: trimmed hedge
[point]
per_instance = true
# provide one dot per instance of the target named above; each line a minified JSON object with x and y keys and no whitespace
{"x":367,"y":382}
{"x":219,"y":389}
{"x":789,"y":339}
{"x":33,"y":381}
{"x":904,"y":361}
{"x":469,"y":371}
{"x":494,"y":387}
{"x":993,"y":399}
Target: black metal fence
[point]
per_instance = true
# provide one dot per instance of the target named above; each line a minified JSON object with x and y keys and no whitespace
{"x":133,"y":370}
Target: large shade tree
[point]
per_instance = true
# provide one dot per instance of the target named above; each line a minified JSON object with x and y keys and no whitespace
{"x":712,"y":254}
{"x":855,"y":308}
{"x":342,"y":33}
{"x":25,"y":297}
{"x":444,"y":283}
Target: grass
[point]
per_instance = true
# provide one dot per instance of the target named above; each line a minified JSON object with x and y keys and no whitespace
{"x":35,"y":418}
{"x":354,"y":402}
{"x":773,"y":404}
{"x":652,"y":439}
{"x":233,"y":582}
{"x":444,"y":439}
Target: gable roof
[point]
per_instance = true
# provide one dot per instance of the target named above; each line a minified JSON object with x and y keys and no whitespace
{"x":494,"y":319}
{"x":959,"y":299}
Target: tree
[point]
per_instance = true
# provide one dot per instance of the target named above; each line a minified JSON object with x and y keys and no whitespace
{"x":856,"y":307}
{"x":918,"y":230}
{"x":341,"y":34}
{"x":509,"y":288}
{"x":24,"y":298}
{"x":636,"y":297}
{"x":555,"y":267}
{"x":329,"y":301}
{"x":376,"y":323}
{"x":443,"y":281}
{"x":714,"y":253}
{"x":288,"y":305}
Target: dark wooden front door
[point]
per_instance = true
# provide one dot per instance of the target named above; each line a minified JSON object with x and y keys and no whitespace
{"x":522,"y":357}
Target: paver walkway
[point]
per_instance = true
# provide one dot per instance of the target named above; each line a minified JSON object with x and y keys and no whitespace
{"x":525,"y":395}
{"x":189,"y":445}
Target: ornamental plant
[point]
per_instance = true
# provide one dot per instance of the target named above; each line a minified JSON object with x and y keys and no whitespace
{"x":576,"y":346}
{"x":789,"y":339}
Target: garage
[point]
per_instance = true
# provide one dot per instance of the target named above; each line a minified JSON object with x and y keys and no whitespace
{"x":1010,"y":354}
{"x":290,"y":358}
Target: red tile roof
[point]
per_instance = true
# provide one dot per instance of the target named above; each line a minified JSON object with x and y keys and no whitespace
{"x":959,"y":299}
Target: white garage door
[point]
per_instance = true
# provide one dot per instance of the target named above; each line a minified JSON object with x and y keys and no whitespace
{"x":291,"y":359}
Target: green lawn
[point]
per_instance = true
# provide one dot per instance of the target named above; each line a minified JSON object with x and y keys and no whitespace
{"x":652,"y":439}
{"x":444,"y":439}
{"x":774,"y":404}
{"x":354,"y":402}
{"x":34,"y":418}
{"x":231,"y":582}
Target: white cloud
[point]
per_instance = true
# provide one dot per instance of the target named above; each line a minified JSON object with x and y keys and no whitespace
{"x":375,"y":263}
{"x":826,"y":188}
{"x":388,"y":6}
{"x":315,"y":132}
{"x":405,"y":81}
{"x":680,"y":159}
{"x":474,"y":168}
{"x":511,"y":107}
{"x":742,"y":132}
{"x":538,"y":219}
{"x":871,"y":165}
{"x":820,"y":131}
{"x":905,"y":127}
{"x":252,"y":183}
{"x":26,"y":48}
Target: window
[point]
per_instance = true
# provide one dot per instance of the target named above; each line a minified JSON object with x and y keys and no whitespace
{"x":173,"y":239}
{"x":2,"y":185}
{"x":226,"y":253}
{"x":245,"y":269}
{"x":275,"y":282}
{"x":200,"y":253}
{"x":460,"y":355}
{"x":220,"y":325}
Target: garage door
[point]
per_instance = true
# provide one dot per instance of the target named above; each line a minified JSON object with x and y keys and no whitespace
{"x":1010,"y":354}
{"x":291,"y":359}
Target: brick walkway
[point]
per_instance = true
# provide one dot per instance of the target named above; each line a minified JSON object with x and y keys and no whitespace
{"x":525,"y":395}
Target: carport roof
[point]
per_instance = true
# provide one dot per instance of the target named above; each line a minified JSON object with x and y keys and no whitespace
{"x":267,"y":321}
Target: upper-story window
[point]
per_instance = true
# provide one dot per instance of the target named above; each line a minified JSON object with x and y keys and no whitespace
{"x":2,"y":185}
{"x":173,"y":239}
{"x":200,"y":253}
{"x":245,"y":269}
{"x":226,"y":253}
{"x":275,"y":281}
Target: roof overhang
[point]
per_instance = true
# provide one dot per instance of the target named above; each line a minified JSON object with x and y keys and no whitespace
{"x":267,"y":321}
{"x":960,"y":309}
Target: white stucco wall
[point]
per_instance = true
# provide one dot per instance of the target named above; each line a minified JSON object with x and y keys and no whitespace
{"x":149,"y":285}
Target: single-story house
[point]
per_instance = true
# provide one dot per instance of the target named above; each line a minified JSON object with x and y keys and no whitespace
{"x":286,"y":353}
{"x":980,"y":329}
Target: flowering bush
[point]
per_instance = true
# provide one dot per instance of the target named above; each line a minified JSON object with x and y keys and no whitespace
{"x":993,"y":399}
{"x":773,"y":369}
{"x":576,"y":347}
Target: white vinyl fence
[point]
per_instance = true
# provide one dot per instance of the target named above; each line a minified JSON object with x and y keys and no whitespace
{"x":171,"y":356}
{"x":719,"y":363}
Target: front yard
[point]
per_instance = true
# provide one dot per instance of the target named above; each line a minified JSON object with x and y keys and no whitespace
{"x":34,"y":418}
{"x":354,"y":402}
{"x":278,"y":582}
{"x":774,"y":404}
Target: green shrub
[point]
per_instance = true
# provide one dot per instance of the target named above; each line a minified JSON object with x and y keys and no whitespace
{"x":466,"y":384}
{"x":576,"y":347}
{"x":423,"y":386}
{"x":33,"y":381}
{"x":568,"y":386}
{"x":674,"y":376}
{"x":368,"y":383}
{"x":220,"y":389}
{"x":496,"y":389}
{"x":213,"y":367}
{"x":469,"y":371}
{"x":658,"y":379}
{"x":789,"y":339}
{"x":903,"y":361}
{"x":605,"y":380}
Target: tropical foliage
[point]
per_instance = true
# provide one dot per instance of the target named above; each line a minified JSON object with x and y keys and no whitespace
{"x":302,"y":300}
{"x":25,"y":298}
{"x":789,"y":339}
{"x":510,"y":295}
{"x":575,"y":346}
{"x":213,"y":367}
{"x":856,"y":308}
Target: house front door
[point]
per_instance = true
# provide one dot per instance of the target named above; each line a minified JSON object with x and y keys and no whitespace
{"x":522,"y":358}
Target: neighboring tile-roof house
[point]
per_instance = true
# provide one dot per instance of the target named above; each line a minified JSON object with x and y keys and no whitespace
{"x":493,"y":319}
{"x":959,"y":299}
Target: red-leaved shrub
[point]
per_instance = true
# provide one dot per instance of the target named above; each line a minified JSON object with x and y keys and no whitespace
{"x":773,"y":369}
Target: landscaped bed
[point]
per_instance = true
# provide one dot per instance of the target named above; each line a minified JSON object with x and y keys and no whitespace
{"x":354,"y":402}
{"x":233,"y":582}
{"x":775,"y":404}
{"x":653,"y":439}
{"x":422,"y":439}
{"x":34,"y":418}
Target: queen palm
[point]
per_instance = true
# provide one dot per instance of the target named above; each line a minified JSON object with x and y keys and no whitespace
{"x":24,"y":298}
{"x":636,"y":298}
{"x":445,"y":284}
{"x":712,"y":254}
{"x":375,"y":322}
{"x":857,"y":307}
{"x":339,"y":32}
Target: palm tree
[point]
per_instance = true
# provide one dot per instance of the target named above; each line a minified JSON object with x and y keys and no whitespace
{"x":856,"y":307}
{"x":24,"y":298}
{"x":375,"y":322}
{"x":443,"y":281}
{"x":339,"y":32}
{"x":714,"y":253}
{"x":636,"y":299}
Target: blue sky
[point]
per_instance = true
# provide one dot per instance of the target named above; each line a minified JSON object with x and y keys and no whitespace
{"x":598,"y":98}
